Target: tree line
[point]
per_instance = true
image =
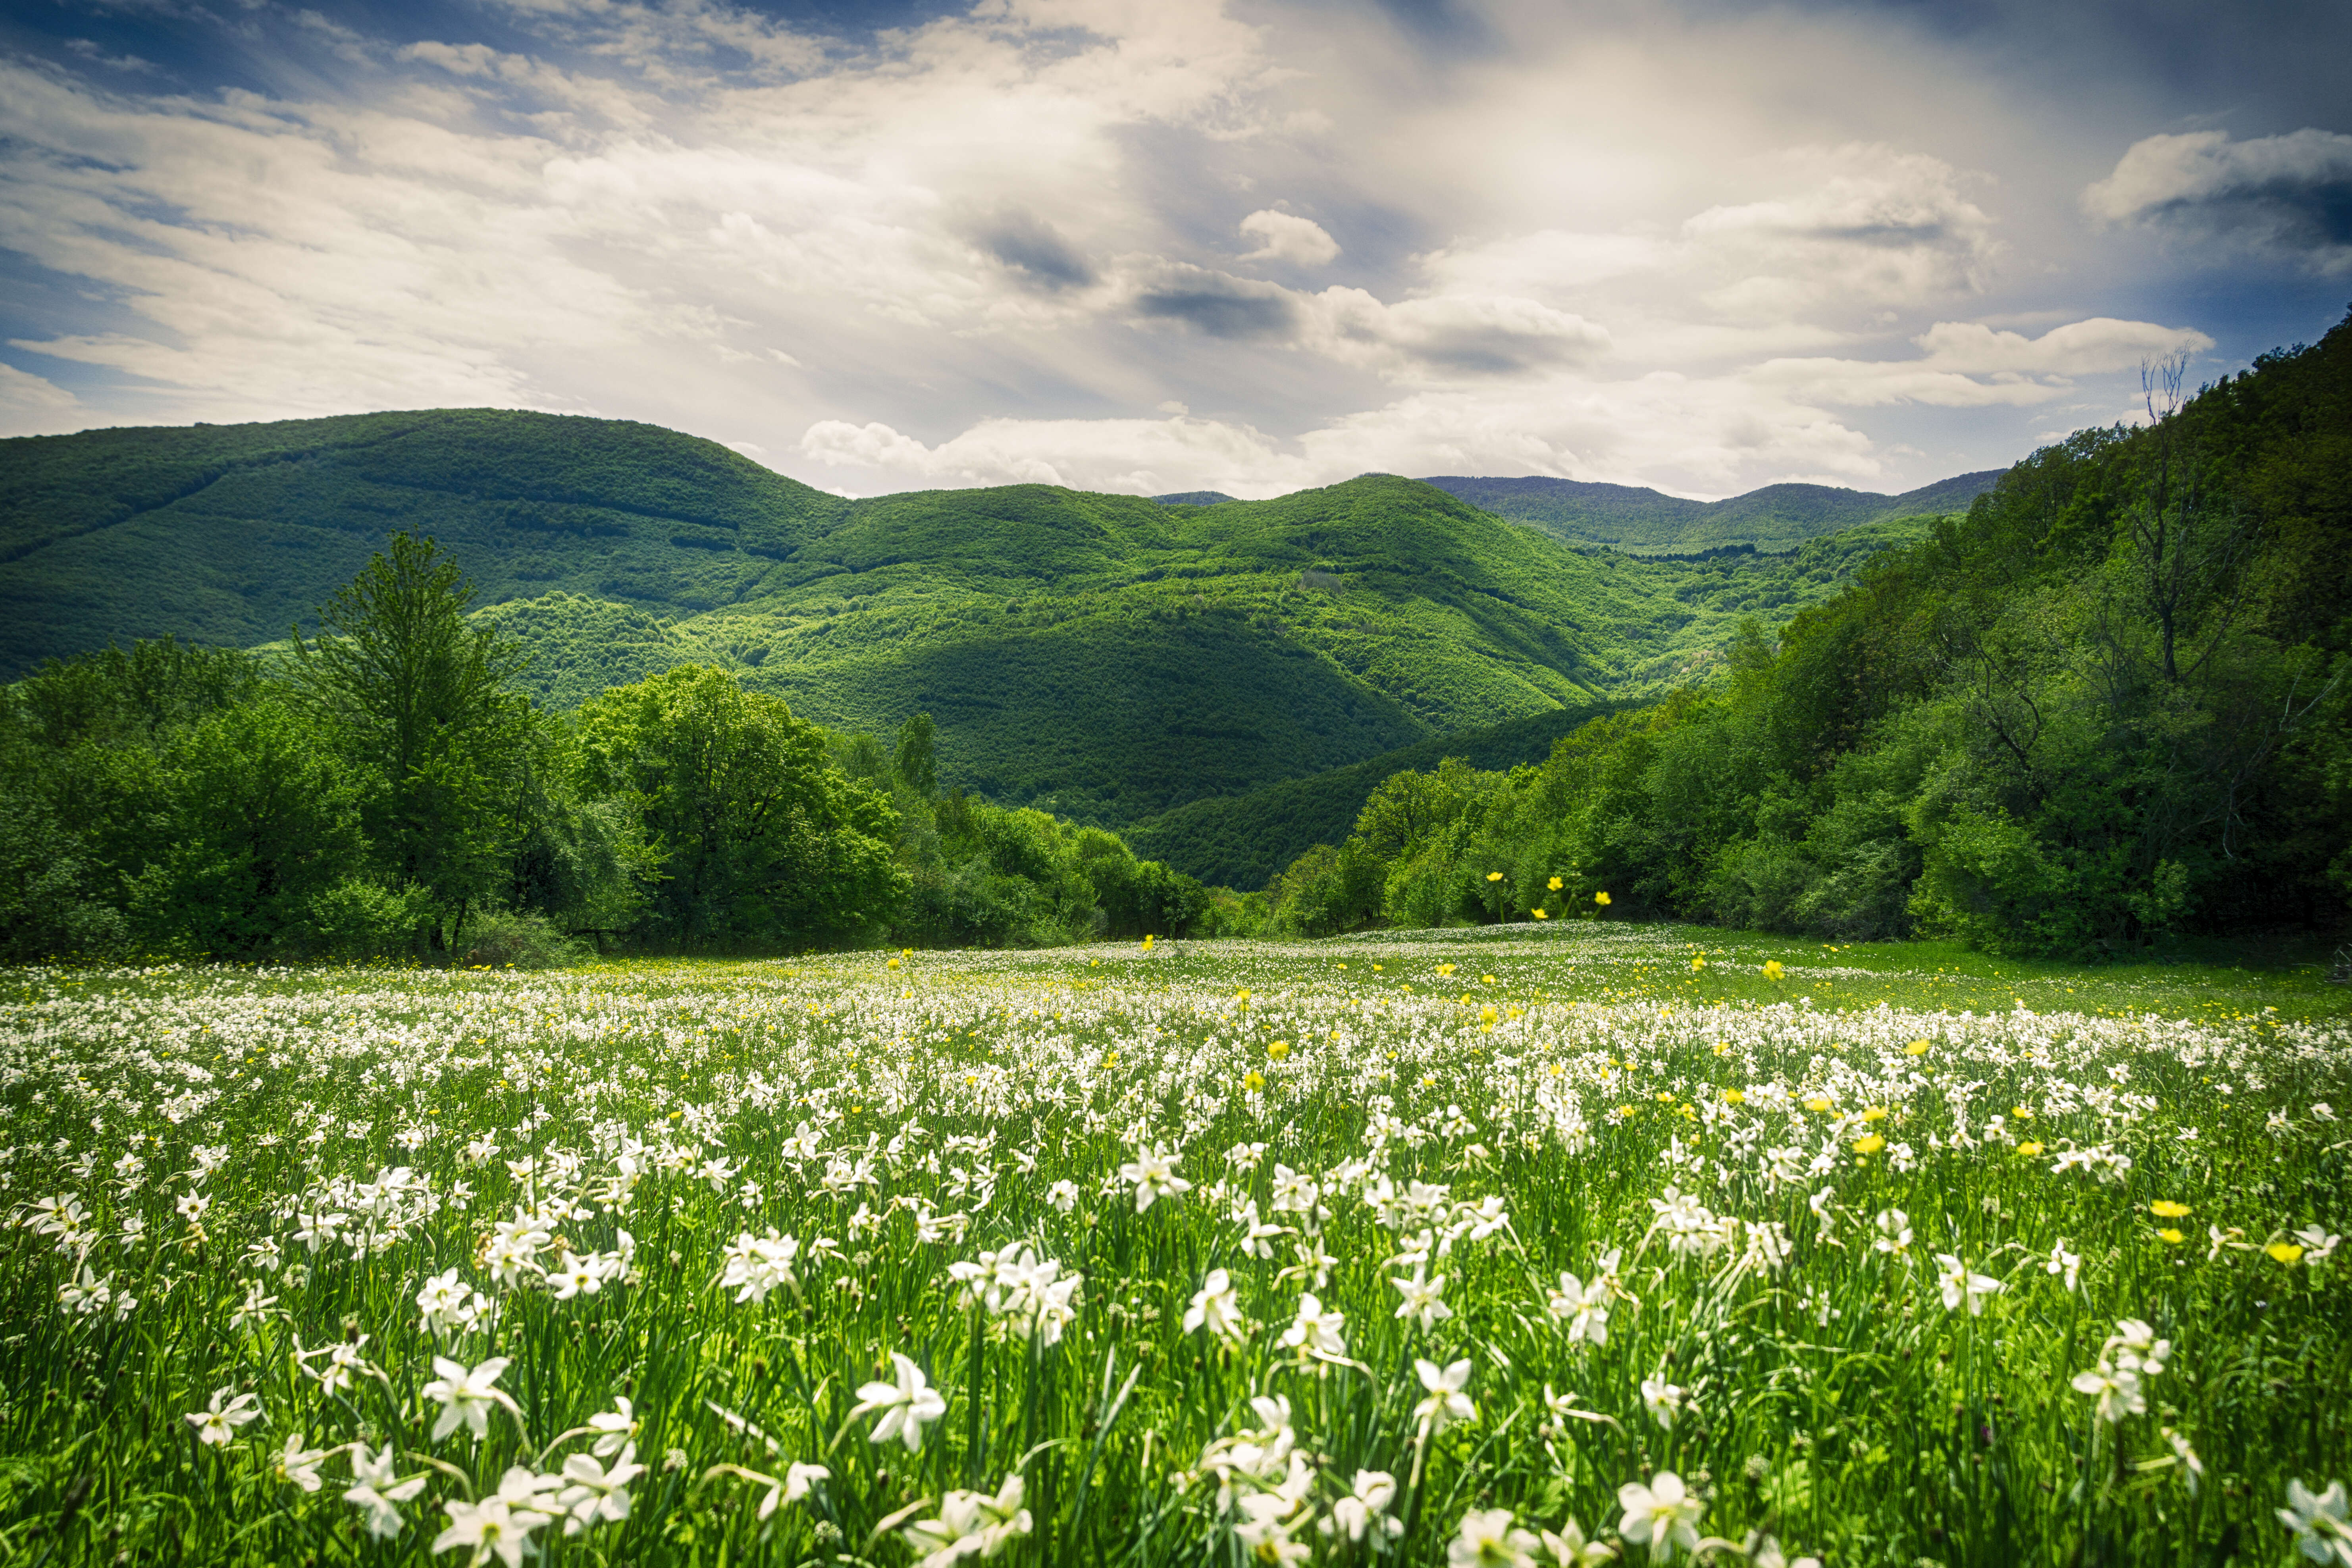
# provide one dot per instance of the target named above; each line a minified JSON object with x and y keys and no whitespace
{"x":385,"y":791}
{"x":2111,"y":705}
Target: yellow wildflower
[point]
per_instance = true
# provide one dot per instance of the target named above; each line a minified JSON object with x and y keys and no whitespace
{"x":2285,"y":1251}
{"x":1553,"y":885}
{"x":1869,"y":1143}
{"x":1541,"y":916}
{"x":1493,"y":876}
{"x":2165,"y":1209}
{"x":1601,"y":898}
{"x":1279,"y":1050}
{"x":2169,"y":1236}
{"x":1772,"y":969}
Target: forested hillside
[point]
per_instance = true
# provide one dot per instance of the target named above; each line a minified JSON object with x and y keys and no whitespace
{"x":1108,"y":658}
{"x":1646,"y":522}
{"x":2111,"y":705}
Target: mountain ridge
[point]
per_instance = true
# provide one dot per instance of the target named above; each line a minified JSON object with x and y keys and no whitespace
{"x":1109,"y":658}
{"x":1640,"y":521}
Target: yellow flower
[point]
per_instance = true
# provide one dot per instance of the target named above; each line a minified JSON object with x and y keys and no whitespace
{"x":2025,"y":1113}
{"x":1721,"y":1049}
{"x":1915,"y":1048}
{"x":2165,"y":1209}
{"x":1279,"y":1050}
{"x":2029,"y":1149}
{"x":1493,"y":876}
{"x":1735,"y":1097}
{"x":2285,"y":1251}
{"x":1817,"y":1103}
{"x":1147,"y":941}
{"x":1601,"y":898}
{"x":1698,"y":964}
{"x":892,"y":964}
{"x":1253,"y":1080}
{"x":1869,"y":1143}
{"x":1772,"y":970}
{"x":1487,"y":1014}
{"x":1553,"y":885}
{"x":2169,"y":1236}
{"x":1444,"y":968}
{"x":1875,"y":1113}
{"x":1541,"y":916}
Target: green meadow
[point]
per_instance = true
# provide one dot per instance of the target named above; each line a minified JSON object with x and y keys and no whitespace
{"x":1536,"y":1243}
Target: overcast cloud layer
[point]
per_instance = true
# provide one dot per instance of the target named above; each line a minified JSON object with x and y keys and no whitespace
{"x":1161,"y":244}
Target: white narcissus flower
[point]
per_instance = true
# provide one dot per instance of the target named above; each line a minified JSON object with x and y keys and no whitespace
{"x":1365,"y":1508}
{"x":467,"y":1396}
{"x":297,"y":1466}
{"x":592,"y":1493}
{"x":798,"y":1478}
{"x":2116,"y":1388}
{"x":1957,"y":1285}
{"x":374,"y":1491}
{"x":1662,"y":1515}
{"x":2065,"y":1263}
{"x":1569,"y":1549}
{"x":1663,"y":1400}
{"x":2322,"y":1531}
{"x":1486,"y":1539}
{"x":906,"y":1405}
{"x":1154,"y":1176}
{"x":1424,"y":1299}
{"x":218,"y":1422}
{"x":615,"y":1428}
{"x":1315,"y":1332}
{"x":1443,"y":1403}
{"x":971,"y":1524}
{"x":493,"y":1528}
{"x":1217,"y":1308}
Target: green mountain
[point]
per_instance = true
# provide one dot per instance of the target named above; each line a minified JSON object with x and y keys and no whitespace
{"x":1647,"y":522}
{"x":1108,"y":658}
{"x":1244,"y":841}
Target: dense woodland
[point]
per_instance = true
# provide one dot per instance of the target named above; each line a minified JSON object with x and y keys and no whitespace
{"x":2112,"y":704}
{"x":387,"y":792}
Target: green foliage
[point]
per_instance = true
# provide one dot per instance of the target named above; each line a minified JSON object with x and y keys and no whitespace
{"x":1646,"y":522}
{"x":765,"y":842}
{"x":420,"y":702}
{"x":2108,"y":709}
{"x":1214,"y":649}
{"x":1244,"y":841}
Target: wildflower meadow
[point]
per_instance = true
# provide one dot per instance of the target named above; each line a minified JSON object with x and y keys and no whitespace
{"x":1565,"y":1245}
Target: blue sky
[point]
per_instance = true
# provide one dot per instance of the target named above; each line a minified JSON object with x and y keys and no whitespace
{"x":1159,"y":244}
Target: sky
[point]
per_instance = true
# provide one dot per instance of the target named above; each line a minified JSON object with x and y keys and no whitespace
{"x":1152,"y":245}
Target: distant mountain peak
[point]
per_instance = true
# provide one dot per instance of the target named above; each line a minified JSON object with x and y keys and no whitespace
{"x":1641,"y":520}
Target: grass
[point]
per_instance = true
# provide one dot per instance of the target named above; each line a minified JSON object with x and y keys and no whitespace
{"x":1535,"y":1099}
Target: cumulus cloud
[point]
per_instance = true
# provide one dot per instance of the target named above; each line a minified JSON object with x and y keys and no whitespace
{"x":1969,"y":365}
{"x":1890,"y":226}
{"x":1620,"y":432}
{"x":2290,"y":194}
{"x":1285,"y":237}
{"x":1652,"y":245}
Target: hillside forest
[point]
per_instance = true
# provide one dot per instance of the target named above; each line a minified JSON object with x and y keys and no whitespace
{"x":2110,"y":703}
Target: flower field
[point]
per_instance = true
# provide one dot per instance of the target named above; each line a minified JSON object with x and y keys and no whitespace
{"x":1563,"y":1246}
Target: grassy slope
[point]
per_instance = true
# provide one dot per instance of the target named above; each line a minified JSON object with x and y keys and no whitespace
{"x":228,"y":534}
{"x":1241,"y":841}
{"x":1777,"y":516}
{"x":1106,"y":656}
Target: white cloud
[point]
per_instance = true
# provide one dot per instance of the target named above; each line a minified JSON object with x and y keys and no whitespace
{"x":1650,"y":243}
{"x":1886,"y":227}
{"x":1961,"y":353}
{"x":1285,"y":237}
{"x":2290,"y":194}
{"x":31,"y":405}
